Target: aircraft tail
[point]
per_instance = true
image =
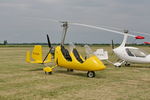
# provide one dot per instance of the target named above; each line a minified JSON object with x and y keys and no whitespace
{"x":37,"y":55}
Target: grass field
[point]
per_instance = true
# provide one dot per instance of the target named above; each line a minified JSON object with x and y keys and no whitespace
{"x":22,"y":81}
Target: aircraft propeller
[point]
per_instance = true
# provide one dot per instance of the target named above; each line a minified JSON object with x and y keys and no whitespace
{"x":50,"y":47}
{"x":112,"y":44}
{"x":48,"y":40}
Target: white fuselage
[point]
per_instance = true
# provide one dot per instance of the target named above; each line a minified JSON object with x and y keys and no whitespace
{"x":132,"y":54}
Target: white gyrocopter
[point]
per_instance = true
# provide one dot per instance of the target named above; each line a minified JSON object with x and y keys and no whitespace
{"x":126,"y":54}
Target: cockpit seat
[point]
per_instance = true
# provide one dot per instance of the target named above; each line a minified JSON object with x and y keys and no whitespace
{"x":65,"y":53}
{"x":76,"y":54}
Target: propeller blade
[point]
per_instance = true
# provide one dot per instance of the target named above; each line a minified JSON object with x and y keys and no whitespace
{"x":112,"y":44}
{"x":49,"y":44}
{"x":46,"y":56}
{"x":48,"y":40}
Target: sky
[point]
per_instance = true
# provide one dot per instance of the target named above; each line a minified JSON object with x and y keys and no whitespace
{"x":26,"y":21}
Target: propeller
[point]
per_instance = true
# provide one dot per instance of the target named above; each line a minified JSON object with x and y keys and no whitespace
{"x":48,"y":40}
{"x":49,"y":45}
{"x":112,"y":44}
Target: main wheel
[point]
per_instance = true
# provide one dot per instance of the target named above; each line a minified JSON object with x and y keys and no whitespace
{"x":127,"y":64}
{"x":69,"y":70}
{"x":90,"y":74}
{"x":49,"y":73}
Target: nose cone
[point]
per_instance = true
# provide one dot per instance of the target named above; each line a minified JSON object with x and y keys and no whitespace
{"x":103,"y":67}
{"x":94,"y":64}
{"x":99,"y":64}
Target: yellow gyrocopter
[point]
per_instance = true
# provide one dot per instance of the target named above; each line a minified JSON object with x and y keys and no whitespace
{"x":62,"y":57}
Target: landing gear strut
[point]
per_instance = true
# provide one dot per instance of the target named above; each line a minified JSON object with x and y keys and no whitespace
{"x":90,"y":74}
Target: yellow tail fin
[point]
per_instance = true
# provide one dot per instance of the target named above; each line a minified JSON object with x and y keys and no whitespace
{"x":37,"y":55}
{"x":28,"y":57}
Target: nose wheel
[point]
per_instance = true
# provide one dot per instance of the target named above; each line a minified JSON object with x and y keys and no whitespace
{"x":90,"y":74}
{"x":48,"y":70}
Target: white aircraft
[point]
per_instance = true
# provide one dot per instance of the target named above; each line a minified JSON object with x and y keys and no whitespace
{"x":126,"y":54}
{"x":130,"y":54}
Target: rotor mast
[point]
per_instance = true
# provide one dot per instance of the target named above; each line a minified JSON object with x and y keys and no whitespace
{"x":65,"y":27}
{"x":125,"y":38}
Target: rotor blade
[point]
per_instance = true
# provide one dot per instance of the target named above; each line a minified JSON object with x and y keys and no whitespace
{"x":141,"y":33}
{"x":114,"y":28}
{"x":101,"y":28}
{"x":119,"y":29}
{"x":39,"y":18}
{"x":48,"y":40}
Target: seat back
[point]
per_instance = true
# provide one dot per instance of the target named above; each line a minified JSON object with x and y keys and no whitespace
{"x":65,"y":53}
{"x":76,"y":54}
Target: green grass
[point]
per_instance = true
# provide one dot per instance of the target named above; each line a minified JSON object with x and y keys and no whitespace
{"x":22,"y":81}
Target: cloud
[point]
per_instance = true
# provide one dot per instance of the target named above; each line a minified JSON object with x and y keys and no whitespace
{"x":16,"y":27}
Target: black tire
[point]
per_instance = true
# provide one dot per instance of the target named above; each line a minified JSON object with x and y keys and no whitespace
{"x":49,"y":73}
{"x":90,"y":74}
{"x":69,"y":70}
{"x":127,"y":64}
{"x":116,"y":66}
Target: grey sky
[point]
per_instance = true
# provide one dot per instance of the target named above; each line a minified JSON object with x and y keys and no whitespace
{"x":16,"y":26}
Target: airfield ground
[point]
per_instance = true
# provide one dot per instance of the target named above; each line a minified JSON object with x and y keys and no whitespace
{"x":22,"y":81}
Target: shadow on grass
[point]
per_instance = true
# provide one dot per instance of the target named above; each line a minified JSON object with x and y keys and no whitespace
{"x":138,"y":66}
{"x":37,"y":69}
{"x":81,"y":74}
{"x":71,"y":73}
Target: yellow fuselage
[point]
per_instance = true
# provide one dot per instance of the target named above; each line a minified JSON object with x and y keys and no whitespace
{"x":90,"y":64}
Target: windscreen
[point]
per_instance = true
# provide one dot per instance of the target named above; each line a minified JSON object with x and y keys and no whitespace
{"x":136,"y":52}
{"x":71,"y":46}
{"x":88,"y":51}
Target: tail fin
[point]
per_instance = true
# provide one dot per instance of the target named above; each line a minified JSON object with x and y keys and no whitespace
{"x":28,"y":57}
{"x":37,"y":55}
